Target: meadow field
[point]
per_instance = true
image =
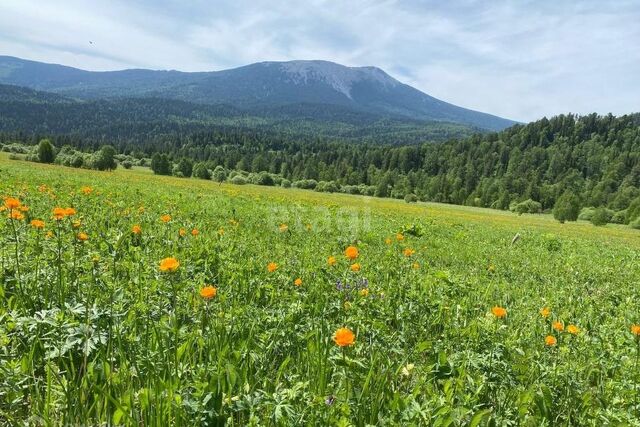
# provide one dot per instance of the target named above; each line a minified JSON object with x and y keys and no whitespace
{"x":133,"y":299}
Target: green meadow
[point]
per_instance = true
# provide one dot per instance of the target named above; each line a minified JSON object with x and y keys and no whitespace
{"x":153,"y":301}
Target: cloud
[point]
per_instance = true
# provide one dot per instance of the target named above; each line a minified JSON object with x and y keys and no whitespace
{"x":516,"y":59}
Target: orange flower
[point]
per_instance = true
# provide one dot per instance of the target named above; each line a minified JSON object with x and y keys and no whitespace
{"x":11,"y":203}
{"x":545,"y":312}
{"x":557,"y":326}
{"x":195,"y":232}
{"x":355,"y":267}
{"x":69,"y":211}
{"x":635,"y":330}
{"x":344,"y":337}
{"x":297,"y":282}
{"x":499,"y":312}
{"x":573,"y":329}
{"x":408,"y":252}
{"x":23,"y":208}
{"x":136,"y":229}
{"x":42,"y":188}
{"x":36,"y":223}
{"x":550,"y":341}
{"x":165,"y":218}
{"x":387,"y":241}
{"x":399,"y":237}
{"x":351,"y":252}
{"x":87,"y":190}
{"x":83,"y":237}
{"x":331,"y":260}
{"x":182,"y":232}
{"x":59,"y":213}
{"x":271,"y":267}
{"x":17,"y":215}
{"x":208,"y":292}
{"x":169,"y":265}
{"x":283,"y":228}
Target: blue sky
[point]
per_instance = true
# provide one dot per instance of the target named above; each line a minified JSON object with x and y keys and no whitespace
{"x":517,"y":59}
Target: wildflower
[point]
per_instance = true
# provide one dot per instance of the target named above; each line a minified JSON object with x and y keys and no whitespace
{"x":42,"y":188}
{"x":297,"y":282}
{"x":141,"y":210}
{"x":195,"y":232}
{"x":136,"y":229}
{"x":283,"y":228}
{"x":331,"y":260}
{"x":17,"y":215}
{"x":182,"y":232}
{"x":23,"y":208}
{"x":38,"y":224}
{"x":165,"y":218}
{"x":308,"y":227}
{"x":355,"y":267}
{"x":545,"y":312}
{"x":406,"y":370}
{"x":635,"y":330}
{"x":499,"y":312}
{"x":12,"y":203}
{"x":550,"y":341}
{"x":69,"y":211}
{"x":557,"y":326}
{"x":347,"y":305}
{"x":82,"y":237}
{"x":387,"y":240}
{"x":399,"y":237}
{"x":364,"y":292}
{"x":76,"y":224}
{"x":408,"y":252}
{"x":49,"y":234}
{"x":573,"y":329}
{"x":329,"y":400}
{"x":344,"y":337}
{"x":271,"y":267}
{"x":59,"y":213}
{"x":491,"y":268}
{"x":221,"y":231}
{"x":169,"y":265}
{"x":208,"y":292}
{"x":351,"y":252}
{"x":87,"y":190}
{"x":415,"y":266}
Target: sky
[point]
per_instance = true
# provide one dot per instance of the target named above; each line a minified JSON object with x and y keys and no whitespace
{"x":521,"y":60}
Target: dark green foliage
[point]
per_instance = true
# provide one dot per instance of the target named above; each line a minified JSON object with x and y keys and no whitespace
{"x":46,"y":152}
{"x":200,"y":171}
{"x":601,"y":216}
{"x":104,"y":159}
{"x":184,"y":168}
{"x":567,"y":207}
{"x":160,"y":164}
{"x":528,"y":206}
{"x":219,"y":174}
{"x":411,"y":198}
{"x":127,"y":164}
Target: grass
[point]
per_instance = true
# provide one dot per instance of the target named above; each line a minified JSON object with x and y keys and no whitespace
{"x":93,"y":332}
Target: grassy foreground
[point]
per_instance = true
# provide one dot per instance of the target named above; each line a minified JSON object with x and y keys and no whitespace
{"x":160,"y":301}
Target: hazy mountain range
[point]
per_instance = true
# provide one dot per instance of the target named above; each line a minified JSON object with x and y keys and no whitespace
{"x":311,"y":89}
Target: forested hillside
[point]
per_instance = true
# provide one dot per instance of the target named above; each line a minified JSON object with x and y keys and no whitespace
{"x":594,"y":158}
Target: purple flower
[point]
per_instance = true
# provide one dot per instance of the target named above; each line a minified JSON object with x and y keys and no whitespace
{"x":329,"y":400}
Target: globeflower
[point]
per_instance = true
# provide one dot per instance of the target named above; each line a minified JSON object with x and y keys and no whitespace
{"x":195,"y":232}
{"x":331,"y":260}
{"x":408,"y":252}
{"x":344,"y":337}
{"x":271,"y":267}
{"x":208,"y":292}
{"x":399,"y":237}
{"x":38,"y":224}
{"x":355,"y":267}
{"x":550,"y":341}
{"x":573,"y":329}
{"x":59,"y":213}
{"x":297,"y":282}
{"x":499,"y":312}
{"x":635,"y":330}
{"x":17,"y":215}
{"x":283,"y":228}
{"x":545,"y":312}
{"x":69,"y":211}
{"x":182,"y":232}
{"x":169,"y":265}
{"x":12,"y":203}
{"x":557,"y":326}
{"x":87,"y":190}
{"x":351,"y":252}
{"x":83,"y":237}
{"x":136,"y":229}
{"x":165,"y":218}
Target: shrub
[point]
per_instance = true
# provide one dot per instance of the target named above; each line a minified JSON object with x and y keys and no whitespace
{"x":619,"y":217}
{"x":600,"y":217}
{"x":200,"y":171}
{"x":239,"y":180}
{"x":527,"y":206}
{"x":127,"y":164}
{"x":219,"y":174}
{"x":285,"y":183}
{"x":567,"y":207}
{"x":411,"y":198}
{"x":586,"y":213}
{"x":46,"y":153}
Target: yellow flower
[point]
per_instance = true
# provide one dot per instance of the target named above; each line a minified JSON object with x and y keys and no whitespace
{"x":182,"y":232}
{"x":573,"y":329}
{"x":364,"y":292}
{"x":69,"y":211}
{"x":331,"y":260}
{"x":344,"y":337}
{"x":136,"y":229}
{"x":545,"y":312}
{"x":283,"y":228}
{"x":499,"y":312}
{"x":76,"y":224}
{"x":351,"y":252}
{"x":550,"y":341}
{"x":388,"y":241}
{"x":221,"y":231}
{"x":82,"y":237}
{"x":271,"y":267}
{"x":557,"y":326}
{"x":165,"y":218}
{"x":399,"y":237}
{"x":408,"y":252}
{"x":49,"y":234}
{"x":169,"y":265}
{"x":59,"y":213}
{"x":11,"y":203}
{"x":297,"y":282}
{"x":86,"y":190}
{"x":36,"y":223}
{"x":208,"y":292}
{"x":17,"y":215}
{"x":415,"y":265}
{"x":355,"y":267}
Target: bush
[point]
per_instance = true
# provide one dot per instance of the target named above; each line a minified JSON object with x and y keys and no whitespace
{"x":586,"y":213}
{"x":184,"y":168}
{"x":219,"y":174}
{"x":200,"y":171}
{"x":46,"y":152}
{"x":104,"y":159}
{"x":635,"y":224}
{"x":528,"y":206}
{"x":411,"y":198}
{"x":285,"y":183}
{"x":239,"y":180}
{"x":619,"y":217}
{"x":127,"y":164}
{"x":600,"y":217}
{"x":567,"y":207}
{"x":306,"y":184}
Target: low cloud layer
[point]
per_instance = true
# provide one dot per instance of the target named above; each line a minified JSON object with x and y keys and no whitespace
{"x":516,"y":59}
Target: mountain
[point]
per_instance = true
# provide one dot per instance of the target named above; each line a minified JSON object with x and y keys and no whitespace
{"x":261,"y":86}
